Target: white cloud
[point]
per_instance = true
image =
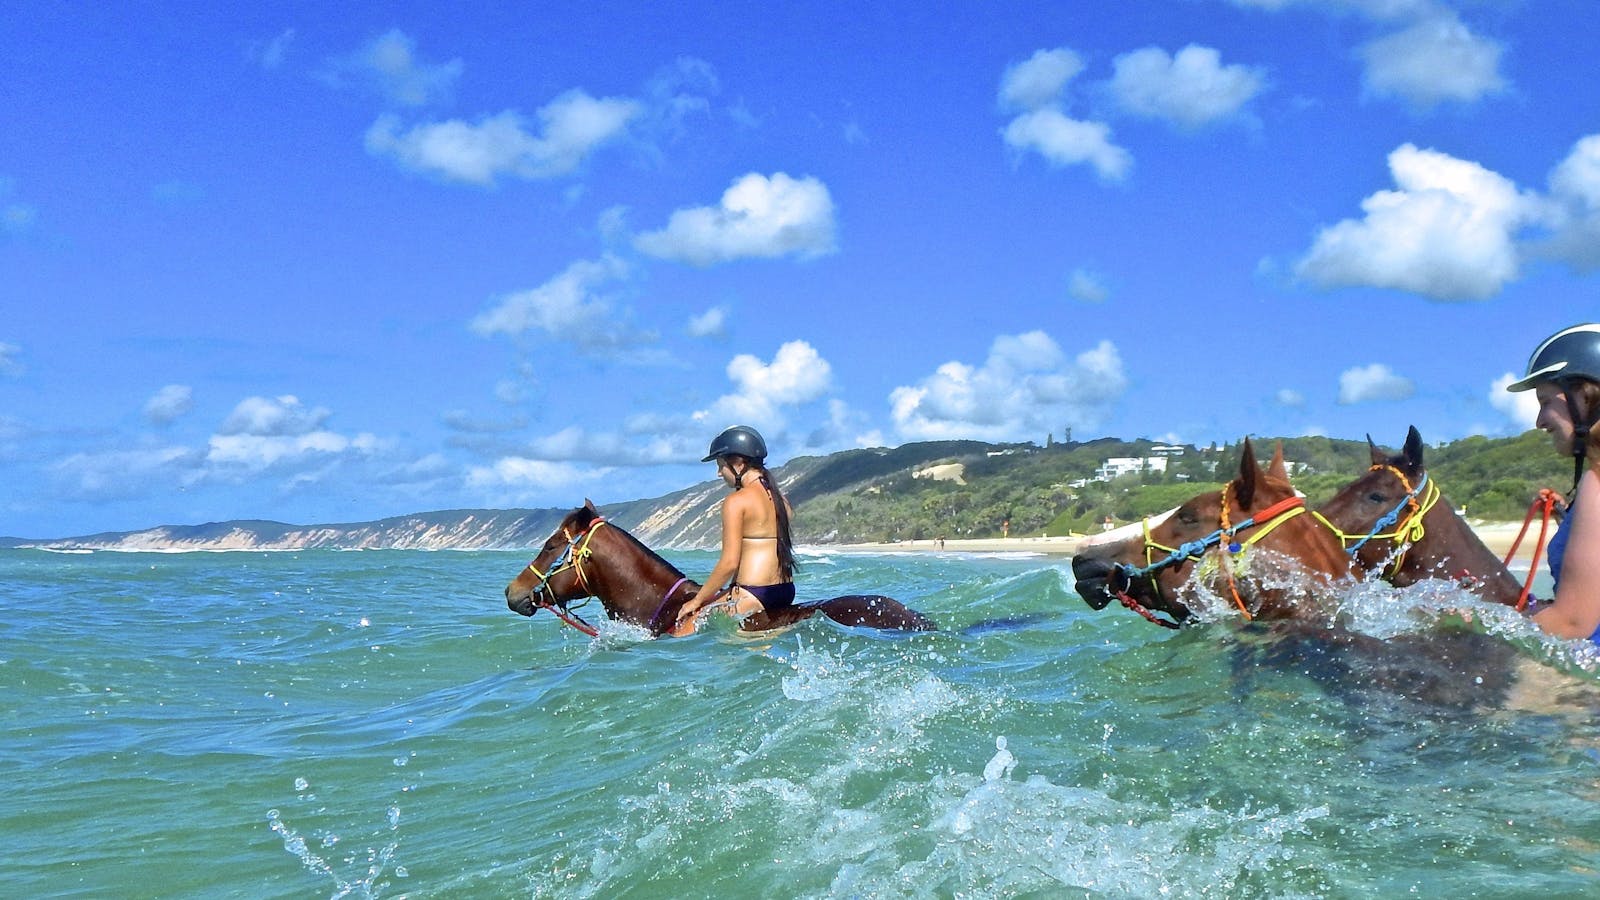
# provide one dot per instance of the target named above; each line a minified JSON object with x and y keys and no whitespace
{"x":273,"y":416}
{"x":1575,"y":192}
{"x":642,"y":441}
{"x":1520,"y":408}
{"x":1064,"y":141}
{"x":764,"y":395}
{"x":270,"y":54}
{"x":1026,"y":387}
{"x":1435,"y":60}
{"x":1038,"y":80}
{"x":265,"y":433}
{"x":1087,"y":286}
{"x":118,"y":474}
{"x":255,"y":453}
{"x":571,"y":127}
{"x":1290,"y":397}
{"x":388,"y":64}
{"x":679,"y":91}
{"x":711,"y":323}
{"x":1190,"y":89}
{"x":1365,"y":384}
{"x":531,"y":477}
{"x":796,"y":375}
{"x":572,"y":307}
{"x":169,"y":403}
{"x":1447,"y":232}
{"x":262,"y":438}
{"x":1035,"y":89}
{"x":758,"y":217}
{"x":9,"y":362}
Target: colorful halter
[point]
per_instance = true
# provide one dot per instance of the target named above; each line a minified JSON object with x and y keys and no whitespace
{"x":1408,"y":531}
{"x":1266,"y":521}
{"x":572,"y":557}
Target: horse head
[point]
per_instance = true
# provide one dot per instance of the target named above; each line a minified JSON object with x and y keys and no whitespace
{"x":1211,"y":543}
{"x":554,"y":578}
{"x":1393,"y":520}
{"x":588,"y":557}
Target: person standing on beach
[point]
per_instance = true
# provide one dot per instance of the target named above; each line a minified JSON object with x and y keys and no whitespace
{"x":755,"y":572}
{"x":1564,"y":373}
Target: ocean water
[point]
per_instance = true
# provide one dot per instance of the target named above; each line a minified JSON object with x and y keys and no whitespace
{"x":377,"y":724}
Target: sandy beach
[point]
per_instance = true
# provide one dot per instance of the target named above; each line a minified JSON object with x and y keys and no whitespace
{"x":1498,"y":536}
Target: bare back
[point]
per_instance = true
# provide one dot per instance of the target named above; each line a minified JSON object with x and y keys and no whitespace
{"x":751,"y":511}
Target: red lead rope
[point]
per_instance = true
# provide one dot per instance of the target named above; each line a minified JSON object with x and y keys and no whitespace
{"x":1545,"y":504}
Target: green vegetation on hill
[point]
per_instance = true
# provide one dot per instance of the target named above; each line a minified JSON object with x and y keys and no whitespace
{"x":869,"y":496}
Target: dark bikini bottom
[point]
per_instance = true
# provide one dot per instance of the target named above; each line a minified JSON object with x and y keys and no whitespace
{"x":772,"y":596}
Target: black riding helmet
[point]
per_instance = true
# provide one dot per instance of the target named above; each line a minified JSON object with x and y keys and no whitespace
{"x":1569,"y":355}
{"x":740,"y":440}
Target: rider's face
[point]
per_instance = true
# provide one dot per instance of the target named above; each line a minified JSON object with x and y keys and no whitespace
{"x":725,"y":469}
{"x":1555,"y":417}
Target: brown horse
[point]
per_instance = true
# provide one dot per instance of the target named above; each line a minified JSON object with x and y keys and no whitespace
{"x":1210,"y":544}
{"x":586,"y":556}
{"x":1393,"y":520}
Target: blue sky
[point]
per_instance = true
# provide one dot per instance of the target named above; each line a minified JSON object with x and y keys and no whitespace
{"x":328,"y":263}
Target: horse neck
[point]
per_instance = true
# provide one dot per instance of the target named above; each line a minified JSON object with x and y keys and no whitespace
{"x":1448,"y":548}
{"x":631,"y":582}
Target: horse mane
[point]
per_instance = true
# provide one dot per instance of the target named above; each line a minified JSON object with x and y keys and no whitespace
{"x":586,"y":515}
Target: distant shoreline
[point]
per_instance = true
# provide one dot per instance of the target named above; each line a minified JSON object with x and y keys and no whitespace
{"x":1497,"y":536}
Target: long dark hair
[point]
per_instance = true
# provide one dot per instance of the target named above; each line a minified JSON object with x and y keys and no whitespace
{"x":1583,"y":407}
{"x":780,"y":508}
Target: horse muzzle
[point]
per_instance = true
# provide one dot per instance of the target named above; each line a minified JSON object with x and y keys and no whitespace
{"x":520,"y":602}
{"x":1094,"y":580}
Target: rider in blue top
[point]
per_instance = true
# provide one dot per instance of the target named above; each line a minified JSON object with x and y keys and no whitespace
{"x":1564,"y":371}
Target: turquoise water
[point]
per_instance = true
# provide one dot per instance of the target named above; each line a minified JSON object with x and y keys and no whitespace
{"x":378,"y":724}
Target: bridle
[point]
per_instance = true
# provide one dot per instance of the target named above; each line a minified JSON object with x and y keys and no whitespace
{"x":1407,"y":531}
{"x":573,"y":556}
{"x":1265,"y":522}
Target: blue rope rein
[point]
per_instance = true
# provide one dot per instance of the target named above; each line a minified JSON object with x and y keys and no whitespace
{"x":1391,"y":517}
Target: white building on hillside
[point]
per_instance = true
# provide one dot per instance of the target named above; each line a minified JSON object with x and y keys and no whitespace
{"x":1118,"y":466}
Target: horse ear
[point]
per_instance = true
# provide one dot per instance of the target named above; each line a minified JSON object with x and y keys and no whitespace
{"x":1277,"y":468}
{"x":589,"y":505}
{"x":1413,"y":448}
{"x":1248,"y":472}
{"x":1378,"y":458}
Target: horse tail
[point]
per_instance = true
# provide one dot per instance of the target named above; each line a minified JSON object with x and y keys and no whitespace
{"x":874,"y":611}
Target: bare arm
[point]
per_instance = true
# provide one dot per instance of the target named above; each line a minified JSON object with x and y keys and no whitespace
{"x":728,"y":563}
{"x":1576,"y":611}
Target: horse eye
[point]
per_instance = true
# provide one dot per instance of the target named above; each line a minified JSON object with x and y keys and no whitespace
{"x":1375,"y":497}
{"x":1187,"y":516}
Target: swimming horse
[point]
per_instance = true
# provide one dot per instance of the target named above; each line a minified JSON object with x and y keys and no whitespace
{"x":1394,"y":521}
{"x":1249,"y":543}
{"x":587,"y":556}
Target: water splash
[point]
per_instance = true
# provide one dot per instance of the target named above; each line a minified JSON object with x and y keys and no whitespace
{"x":1005,"y":837}
{"x":371,"y":883}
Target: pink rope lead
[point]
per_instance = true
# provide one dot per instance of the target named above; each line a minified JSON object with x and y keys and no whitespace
{"x":651,"y":625}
